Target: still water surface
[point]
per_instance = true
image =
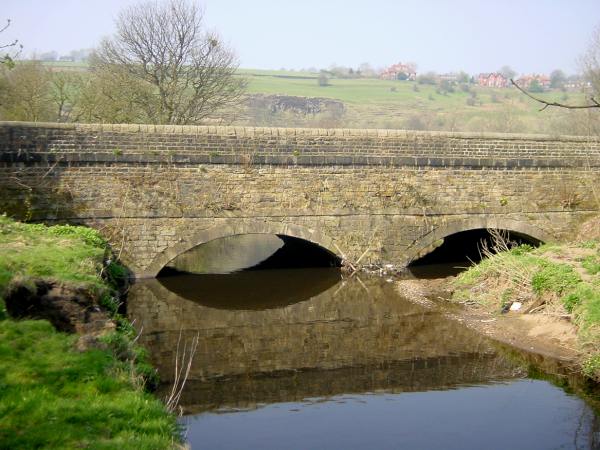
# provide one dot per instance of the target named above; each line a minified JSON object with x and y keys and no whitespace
{"x":301,"y":359}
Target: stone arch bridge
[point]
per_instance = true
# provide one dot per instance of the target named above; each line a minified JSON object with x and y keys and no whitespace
{"x":157,"y":191}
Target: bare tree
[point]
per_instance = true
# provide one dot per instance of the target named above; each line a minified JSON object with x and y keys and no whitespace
{"x":187,"y":72}
{"x":10,"y":49}
{"x":593,"y":102}
{"x":590,"y":62}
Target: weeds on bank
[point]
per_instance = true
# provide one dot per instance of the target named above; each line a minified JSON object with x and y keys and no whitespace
{"x":62,"y":253}
{"x":544,"y":280}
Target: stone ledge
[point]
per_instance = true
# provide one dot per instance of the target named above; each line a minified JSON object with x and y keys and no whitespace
{"x":86,"y":159}
{"x":236,"y":131}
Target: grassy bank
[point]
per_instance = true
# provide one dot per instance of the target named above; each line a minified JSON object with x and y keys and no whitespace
{"x":556,"y":280}
{"x":51,"y":394}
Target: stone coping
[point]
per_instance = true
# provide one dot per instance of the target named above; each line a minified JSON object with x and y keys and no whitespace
{"x":281,"y":132}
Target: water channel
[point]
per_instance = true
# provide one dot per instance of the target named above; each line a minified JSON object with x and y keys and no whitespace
{"x":308,"y":359}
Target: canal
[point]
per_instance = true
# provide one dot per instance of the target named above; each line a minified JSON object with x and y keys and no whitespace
{"x":304,"y":358}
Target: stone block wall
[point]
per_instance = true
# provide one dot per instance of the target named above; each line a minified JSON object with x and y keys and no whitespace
{"x":155,"y":191}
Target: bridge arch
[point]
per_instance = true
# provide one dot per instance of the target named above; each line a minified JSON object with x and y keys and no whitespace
{"x":425,"y":244}
{"x":233,"y":227}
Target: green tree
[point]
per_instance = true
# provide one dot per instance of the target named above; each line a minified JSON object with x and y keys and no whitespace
{"x":557,"y":79}
{"x":535,"y":86}
{"x":65,"y":89}
{"x":323,"y":79}
{"x":178,"y":72}
{"x":507,"y":72}
{"x":26,"y":93}
{"x":427,"y":78}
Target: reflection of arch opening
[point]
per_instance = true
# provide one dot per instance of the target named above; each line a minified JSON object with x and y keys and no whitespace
{"x":257,"y":290}
{"x":231,"y":227}
{"x":522,"y":231}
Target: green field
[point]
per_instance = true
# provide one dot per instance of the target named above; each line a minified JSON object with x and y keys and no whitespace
{"x":375,"y":103}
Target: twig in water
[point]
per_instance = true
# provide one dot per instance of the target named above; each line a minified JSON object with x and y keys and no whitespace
{"x":183,"y":365}
{"x":363,"y":284}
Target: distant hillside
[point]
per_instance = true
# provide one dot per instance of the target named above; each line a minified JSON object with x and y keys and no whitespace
{"x":297,"y":99}
{"x":375,"y":103}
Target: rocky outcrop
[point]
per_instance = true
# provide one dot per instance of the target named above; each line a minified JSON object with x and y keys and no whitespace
{"x":297,"y":105}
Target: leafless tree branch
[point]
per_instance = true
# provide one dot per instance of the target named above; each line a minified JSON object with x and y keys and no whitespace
{"x":594,"y":104}
{"x":184,"y":73}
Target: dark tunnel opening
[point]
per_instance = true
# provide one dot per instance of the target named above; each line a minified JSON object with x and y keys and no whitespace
{"x":298,"y":253}
{"x":464,"y":248}
{"x":251,"y":252}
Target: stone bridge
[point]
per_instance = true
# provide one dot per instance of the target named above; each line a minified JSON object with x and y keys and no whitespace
{"x":384,"y":195}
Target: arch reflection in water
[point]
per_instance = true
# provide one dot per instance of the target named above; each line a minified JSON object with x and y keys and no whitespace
{"x":252,"y":290}
{"x":356,"y":336}
{"x":301,"y":365}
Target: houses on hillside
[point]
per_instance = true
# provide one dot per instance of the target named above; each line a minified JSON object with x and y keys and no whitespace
{"x":494,"y":79}
{"x":400,"y":71}
{"x":528,"y":81}
{"x":403,"y":71}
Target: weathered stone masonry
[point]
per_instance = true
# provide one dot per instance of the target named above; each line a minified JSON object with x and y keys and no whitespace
{"x":156,"y":191}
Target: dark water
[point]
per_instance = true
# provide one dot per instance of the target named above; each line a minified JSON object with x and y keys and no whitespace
{"x":301,"y":359}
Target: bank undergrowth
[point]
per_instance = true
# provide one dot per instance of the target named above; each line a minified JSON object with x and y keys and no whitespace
{"x":560,"y":280}
{"x":53,"y":395}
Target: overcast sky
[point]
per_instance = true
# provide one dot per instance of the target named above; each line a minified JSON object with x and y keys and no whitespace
{"x":440,"y":35}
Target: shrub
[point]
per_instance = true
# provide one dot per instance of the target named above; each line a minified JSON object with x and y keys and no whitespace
{"x":552,"y":277}
{"x":591,"y":264}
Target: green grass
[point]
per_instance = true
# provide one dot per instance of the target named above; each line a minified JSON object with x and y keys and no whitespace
{"x":554,"y":277}
{"x":54,"y":397}
{"x":63,"y":253}
{"x":532,"y":273}
{"x":51,"y":395}
{"x":591,"y":264}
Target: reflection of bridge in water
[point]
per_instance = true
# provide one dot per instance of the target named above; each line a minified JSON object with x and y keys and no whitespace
{"x":350,"y":338}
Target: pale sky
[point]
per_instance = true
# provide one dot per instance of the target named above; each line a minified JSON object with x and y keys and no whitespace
{"x":441,"y":35}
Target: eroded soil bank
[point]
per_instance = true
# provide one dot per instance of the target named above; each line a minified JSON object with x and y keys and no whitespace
{"x":548,"y":336}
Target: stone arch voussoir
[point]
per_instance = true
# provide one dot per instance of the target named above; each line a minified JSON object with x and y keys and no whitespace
{"x":233,"y":227}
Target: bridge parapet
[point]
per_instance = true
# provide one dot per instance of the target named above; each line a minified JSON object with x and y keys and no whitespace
{"x":156,"y":144}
